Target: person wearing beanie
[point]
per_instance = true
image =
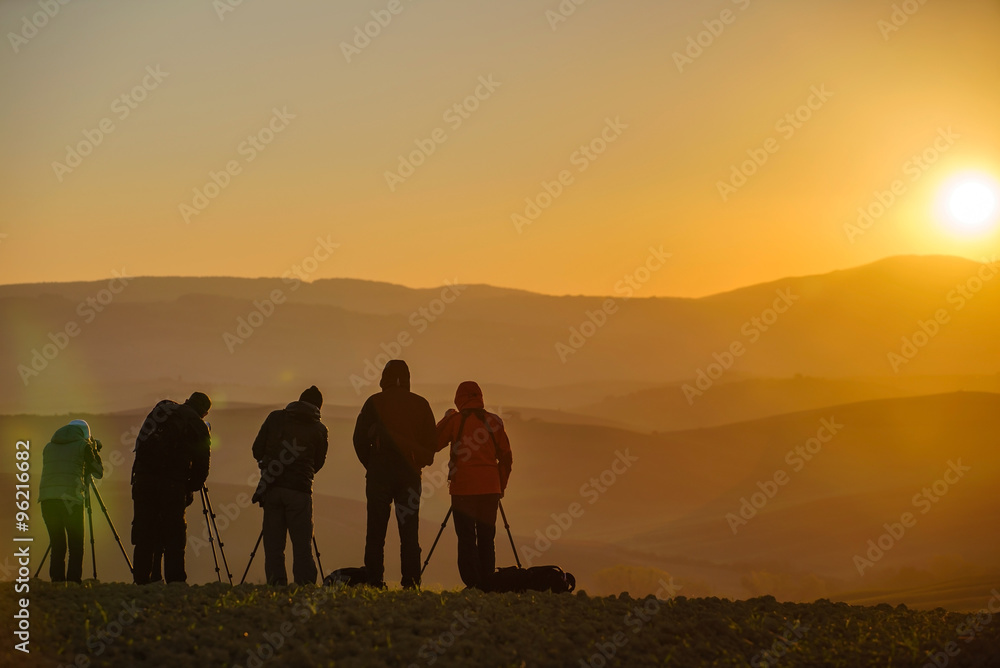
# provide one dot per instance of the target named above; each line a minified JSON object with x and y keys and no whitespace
{"x":478,"y":470}
{"x":172,"y":457}
{"x":290,"y":448}
{"x":394,"y":439}
{"x":200,"y":402}
{"x":68,"y":461}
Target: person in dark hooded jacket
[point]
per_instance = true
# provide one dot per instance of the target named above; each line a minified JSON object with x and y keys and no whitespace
{"x":290,"y":448}
{"x":478,"y":470}
{"x":394,"y":439}
{"x":172,"y":456}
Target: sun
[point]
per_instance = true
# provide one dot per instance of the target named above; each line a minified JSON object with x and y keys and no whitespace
{"x":971,"y":203}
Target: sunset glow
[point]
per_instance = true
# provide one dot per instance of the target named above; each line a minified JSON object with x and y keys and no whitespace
{"x":668,"y":328}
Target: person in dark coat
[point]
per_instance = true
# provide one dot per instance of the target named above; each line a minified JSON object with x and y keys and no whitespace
{"x":290,"y":448}
{"x":172,"y":454}
{"x":394,"y":439}
{"x":67,"y":461}
{"x":478,"y":470}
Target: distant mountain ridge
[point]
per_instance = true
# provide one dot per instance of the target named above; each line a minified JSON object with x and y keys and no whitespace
{"x":231,"y":333}
{"x":166,"y":288}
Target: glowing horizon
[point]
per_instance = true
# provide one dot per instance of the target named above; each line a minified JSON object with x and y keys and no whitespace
{"x":514,"y":153}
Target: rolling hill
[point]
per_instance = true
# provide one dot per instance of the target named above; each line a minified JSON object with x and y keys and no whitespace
{"x":662,"y":501}
{"x":233,"y":338}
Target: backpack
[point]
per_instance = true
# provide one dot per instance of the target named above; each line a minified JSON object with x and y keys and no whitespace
{"x":352,"y":577}
{"x":536,"y":578}
{"x":157,"y":442}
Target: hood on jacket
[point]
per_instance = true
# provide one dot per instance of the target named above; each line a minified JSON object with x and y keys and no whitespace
{"x":303,"y":409}
{"x":468,"y":395}
{"x":72,"y":432}
{"x":395,"y":374}
{"x":86,"y":427}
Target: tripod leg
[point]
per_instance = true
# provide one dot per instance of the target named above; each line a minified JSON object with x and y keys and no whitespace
{"x":211,"y":539}
{"x":90,"y":524}
{"x":218,"y":536}
{"x":44,"y":557}
{"x":318,"y":562}
{"x":509,"y":535}
{"x":440,"y":531}
{"x":104,"y":509}
{"x":253,"y":554}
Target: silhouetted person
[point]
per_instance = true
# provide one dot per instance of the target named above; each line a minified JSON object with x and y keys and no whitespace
{"x":172,"y":455}
{"x":478,"y":469}
{"x":290,"y":448}
{"x":156,"y":573}
{"x":67,"y":460}
{"x":394,"y":438}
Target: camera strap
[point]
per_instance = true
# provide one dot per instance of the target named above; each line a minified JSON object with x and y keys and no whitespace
{"x":482,"y":415}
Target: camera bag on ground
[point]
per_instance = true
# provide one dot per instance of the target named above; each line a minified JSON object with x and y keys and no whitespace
{"x":352,"y":577}
{"x":536,"y":578}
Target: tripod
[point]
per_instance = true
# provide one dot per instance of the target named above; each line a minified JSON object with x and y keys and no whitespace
{"x":88,"y":486}
{"x":209,"y":512}
{"x":506,"y":526}
{"x":253,"y":553}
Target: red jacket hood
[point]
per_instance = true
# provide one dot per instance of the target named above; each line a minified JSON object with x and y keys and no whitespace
{"x":468,"y":395}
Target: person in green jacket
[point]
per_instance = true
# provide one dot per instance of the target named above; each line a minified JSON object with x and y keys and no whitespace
{"x":67,"y":459}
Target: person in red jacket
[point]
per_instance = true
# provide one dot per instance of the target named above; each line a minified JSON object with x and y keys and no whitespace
{"x":479,"y":467}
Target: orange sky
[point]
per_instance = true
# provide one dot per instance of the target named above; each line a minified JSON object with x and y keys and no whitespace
{"x":549,"y":91}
